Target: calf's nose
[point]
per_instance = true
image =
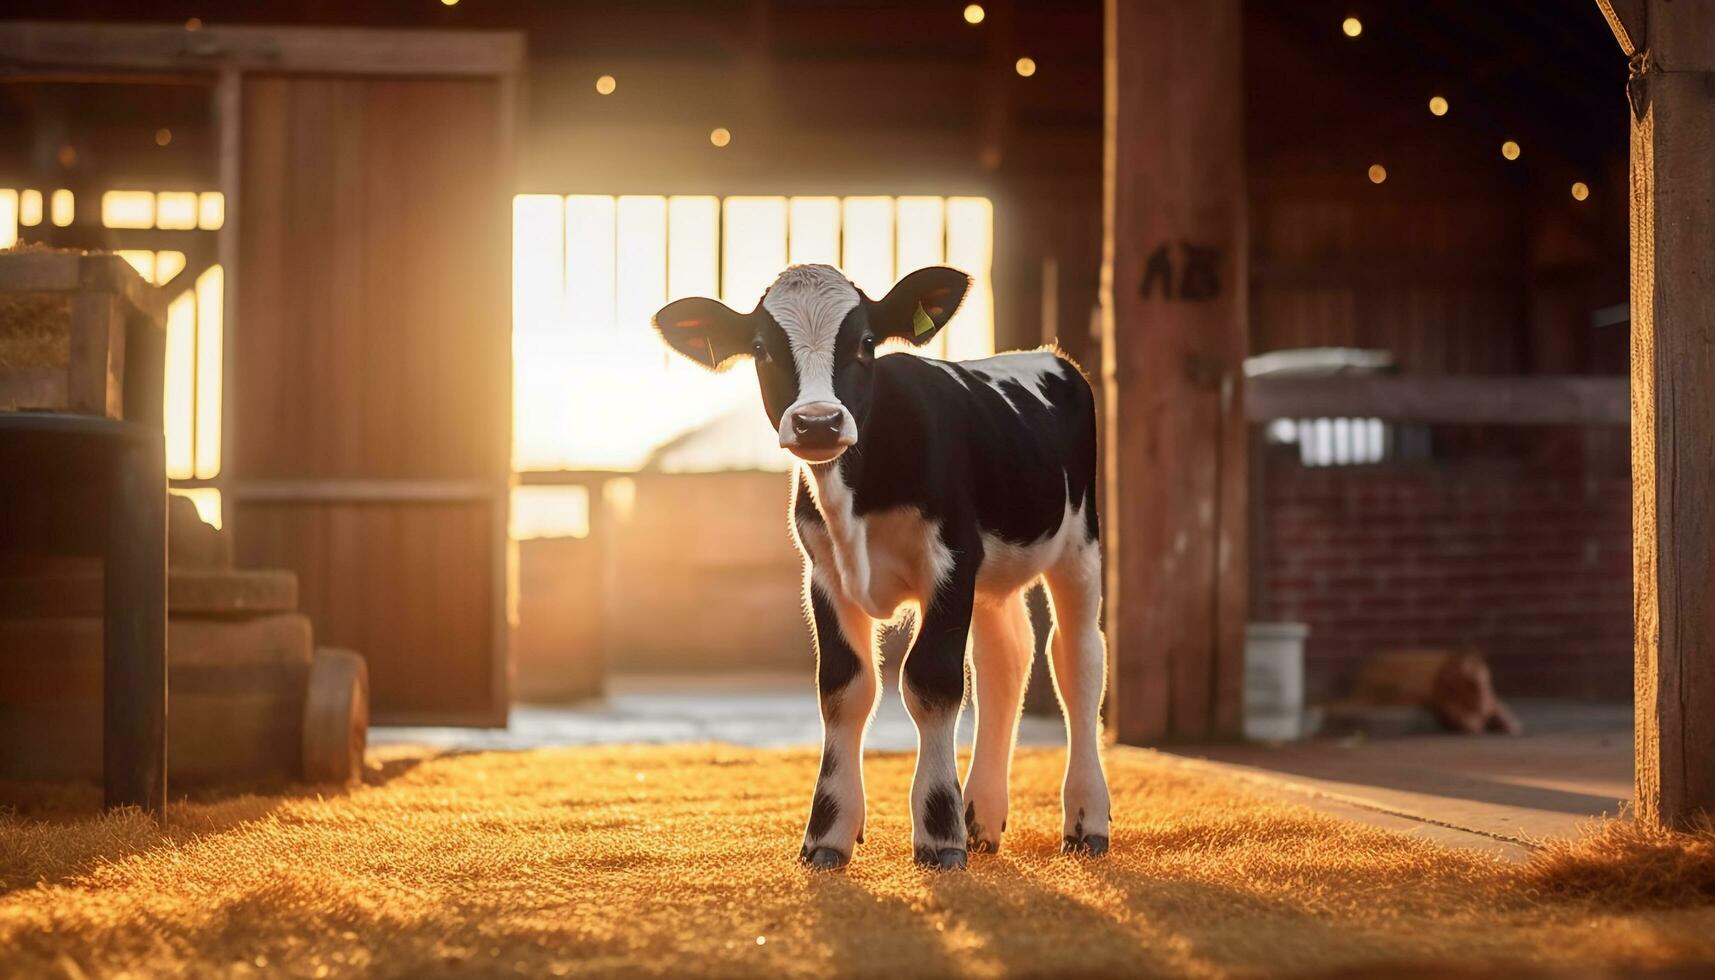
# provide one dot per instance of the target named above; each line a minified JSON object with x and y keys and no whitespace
{"x":817,"y":428}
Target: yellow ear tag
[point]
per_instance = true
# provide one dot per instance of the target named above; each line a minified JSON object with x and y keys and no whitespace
{"x":920,"y":322}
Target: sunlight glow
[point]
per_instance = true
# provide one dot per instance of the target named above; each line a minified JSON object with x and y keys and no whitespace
{"x":30,"y":208}
{"x":1438,"y":105}
{"x":642,"y":261}
{"x":753,"y":245}
{"x":550,"y":512}
{"x":168,"y":263}
{"x":814,"y":230}
{"x":62,"y":208}
{"x":868,"y":249}
{"x":179,"y":386}
{"x":142,"y":260}
{"x":974,"y":13}
{"x":210,"y":291}
{"x":970,"y":248}
{"x":693,"y":246}
{"x":921,"y":240}
{"x":1352,"y":27}
{"x":1580,"y":190}
{"x":211,"y":210}
{"x":128,"y":209}
{"x":1510,"y":150}
{"x":589,"y":260}
{"x":176,"y":210}
{"x":604,"y":393}
{"x":8,"y":218}
{"x":207,"y":501}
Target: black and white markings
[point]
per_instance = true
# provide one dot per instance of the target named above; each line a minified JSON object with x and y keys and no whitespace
{"x":948,"y":487}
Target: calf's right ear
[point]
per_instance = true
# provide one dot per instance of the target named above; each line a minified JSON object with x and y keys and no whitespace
{"x":705,"y":330}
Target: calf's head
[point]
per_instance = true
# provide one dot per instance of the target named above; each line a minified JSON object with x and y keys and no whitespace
{"x":813,"y":339}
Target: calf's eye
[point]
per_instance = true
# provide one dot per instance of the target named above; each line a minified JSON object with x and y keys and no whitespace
{"x":869,"y":346}
{"x":760,"y":350}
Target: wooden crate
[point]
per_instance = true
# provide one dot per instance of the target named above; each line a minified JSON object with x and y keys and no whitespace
{"x":116,"y":326}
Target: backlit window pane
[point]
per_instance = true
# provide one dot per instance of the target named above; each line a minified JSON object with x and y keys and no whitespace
{"x":210,"y":289}
{"x":693,"y":246}
{"x":175,"y":210}
{"x":178,"y":416}
{"x":211,"y":210}
{"x":207,"y":502}
{"x":753,"y":248}
{"x":589,"y":260}
{"x":550,"y":512}
{"x":642,"y":261}
{"x":168,"y":264}
{"x":625,"y":401}
{"x":970,"y":249}
{"x":538,"y":259}
{"x":8,"y":218}
{"x":815,"y":230}
{"x":128,"y":209}
{"x":867,"y":253}
{"x":140,"y":259}
{"x":62,"y":208}
{"x":30,"y":208}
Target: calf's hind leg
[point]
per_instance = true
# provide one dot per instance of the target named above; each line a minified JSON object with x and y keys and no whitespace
{"x":1001,"y":647}
{"x":1078,"y":654}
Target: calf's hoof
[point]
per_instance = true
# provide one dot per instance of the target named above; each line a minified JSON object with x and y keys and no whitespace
{"x":977,"y":840}
{"x":1089,"y":845}
{"x":941,"y":859}
{"x":823,"y":859}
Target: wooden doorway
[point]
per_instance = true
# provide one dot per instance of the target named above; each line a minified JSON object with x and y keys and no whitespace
{"x":367,"y":367}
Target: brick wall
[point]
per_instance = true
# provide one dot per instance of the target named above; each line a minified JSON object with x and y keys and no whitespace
{"x":1529,"y":562}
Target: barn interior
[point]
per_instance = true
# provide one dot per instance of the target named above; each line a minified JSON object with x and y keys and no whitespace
{"x":408,"y":354}
{"x":468,"y":634}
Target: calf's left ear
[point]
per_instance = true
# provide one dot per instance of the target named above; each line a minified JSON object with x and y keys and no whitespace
{"x":706,"y":331}
{"x":920,"y":305}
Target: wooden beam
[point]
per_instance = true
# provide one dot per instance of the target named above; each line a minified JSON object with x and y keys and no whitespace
{"x":360,"y":491}
{"x":28,"y":45}
{"x":1174,"y":289}
{"x":1449,"y":400}
{"x":1673,"y":410}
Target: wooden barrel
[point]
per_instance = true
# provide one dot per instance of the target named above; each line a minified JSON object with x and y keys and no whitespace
{"x":236,"y":696}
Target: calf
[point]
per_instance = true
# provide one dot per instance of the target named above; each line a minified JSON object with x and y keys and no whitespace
{"x":951,"y":486}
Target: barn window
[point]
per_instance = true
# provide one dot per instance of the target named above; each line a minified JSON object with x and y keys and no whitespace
{"x":191,"y":389}
{"x":594,"y":389}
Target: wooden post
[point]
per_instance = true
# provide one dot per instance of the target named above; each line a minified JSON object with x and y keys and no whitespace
{"x":134,"y":662}
{"x":1671,"y":44}
{"x":1174,"y":340}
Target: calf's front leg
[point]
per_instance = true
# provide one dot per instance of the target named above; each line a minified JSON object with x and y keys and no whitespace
{"x":933,"y":686}
{"x":847,"y":685}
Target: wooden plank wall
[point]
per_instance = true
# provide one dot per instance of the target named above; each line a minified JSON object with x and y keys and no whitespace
{"x":374,"y":346}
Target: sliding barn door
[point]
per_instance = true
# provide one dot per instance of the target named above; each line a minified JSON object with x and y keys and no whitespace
{"x":370,"y":379}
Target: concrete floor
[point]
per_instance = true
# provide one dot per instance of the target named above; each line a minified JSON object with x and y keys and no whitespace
{"x":1572,"y":765}
{"x":763,"y":711}
{"x":1491,"y":793}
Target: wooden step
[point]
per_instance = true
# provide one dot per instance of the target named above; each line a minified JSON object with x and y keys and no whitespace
{"x":235,"y":712}
{"x":190,"y":592}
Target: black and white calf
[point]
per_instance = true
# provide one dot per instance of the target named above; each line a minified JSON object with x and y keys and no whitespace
{"x":951,"y":486}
